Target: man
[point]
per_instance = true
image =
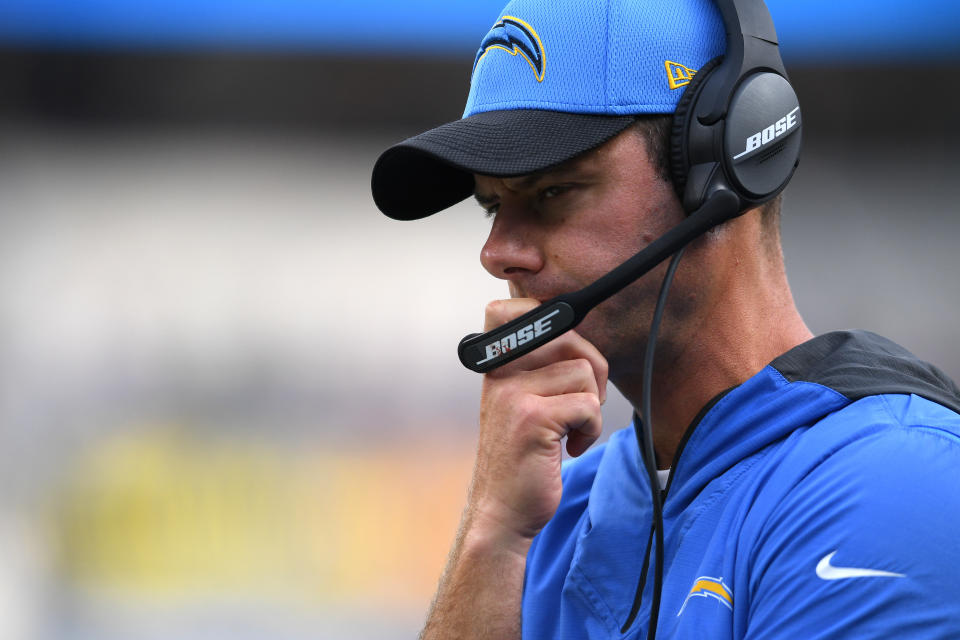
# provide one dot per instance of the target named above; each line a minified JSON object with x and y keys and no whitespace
{"x":810,"y":482}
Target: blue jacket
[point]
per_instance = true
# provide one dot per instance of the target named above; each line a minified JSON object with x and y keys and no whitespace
{"x":818,"y":499}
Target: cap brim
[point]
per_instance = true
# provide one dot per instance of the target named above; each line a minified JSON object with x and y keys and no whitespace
{"x":434,"y":170}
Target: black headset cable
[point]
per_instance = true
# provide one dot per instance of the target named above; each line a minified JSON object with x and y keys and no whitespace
{"x":643,"y":428}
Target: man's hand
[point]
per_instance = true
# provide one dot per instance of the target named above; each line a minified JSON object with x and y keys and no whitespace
{"x":527,"y":407}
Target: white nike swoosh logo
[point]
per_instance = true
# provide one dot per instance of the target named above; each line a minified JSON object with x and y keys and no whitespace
{"x":827,"y":571}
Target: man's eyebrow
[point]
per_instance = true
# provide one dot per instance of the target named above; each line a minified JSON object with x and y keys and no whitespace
{"x":561,"y":172}
{"x":522,"y":182}
{"x":529,"y":180}
{"x":564,"y":171}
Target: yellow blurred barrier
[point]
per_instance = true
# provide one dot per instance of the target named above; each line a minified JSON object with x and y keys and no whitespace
{"x":161,"y":513}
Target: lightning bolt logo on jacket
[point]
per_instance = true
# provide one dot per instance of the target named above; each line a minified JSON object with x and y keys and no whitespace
{"x":707,"y":587}
{"x":514,"y":36}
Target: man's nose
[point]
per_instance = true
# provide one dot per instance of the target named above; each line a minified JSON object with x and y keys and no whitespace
{"x":511,"y":249}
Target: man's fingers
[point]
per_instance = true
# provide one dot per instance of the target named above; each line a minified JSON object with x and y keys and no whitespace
{"x":558,"y":378}
{"x":569,"y":346}
{"x":577,"y":416}
{"x":499,"y":312}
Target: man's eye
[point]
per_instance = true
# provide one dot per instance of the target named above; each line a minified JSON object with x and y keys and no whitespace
{"x":554,"y":191}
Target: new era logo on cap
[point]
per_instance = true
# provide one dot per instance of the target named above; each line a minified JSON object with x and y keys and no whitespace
{"x":678,"y":75}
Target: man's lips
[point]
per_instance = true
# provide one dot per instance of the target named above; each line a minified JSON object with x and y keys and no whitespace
{"x":540,"y":295}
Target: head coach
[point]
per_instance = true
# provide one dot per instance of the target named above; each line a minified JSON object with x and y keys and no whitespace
{"x":773,"y":484}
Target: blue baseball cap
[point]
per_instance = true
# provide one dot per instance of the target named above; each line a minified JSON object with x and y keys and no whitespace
{"x":551,"y":80}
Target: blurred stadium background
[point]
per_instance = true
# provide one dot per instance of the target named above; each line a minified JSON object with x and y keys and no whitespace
{"x":229,"y":401}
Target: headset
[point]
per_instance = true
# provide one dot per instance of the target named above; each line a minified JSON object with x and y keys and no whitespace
{"x":734,"y":145}
{"x":737,"y":126}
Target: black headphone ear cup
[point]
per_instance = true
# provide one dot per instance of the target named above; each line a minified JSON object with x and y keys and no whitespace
{"x":678,"y":135}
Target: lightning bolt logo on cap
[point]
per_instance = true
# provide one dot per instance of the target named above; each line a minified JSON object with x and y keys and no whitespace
{"x":514,"y":36}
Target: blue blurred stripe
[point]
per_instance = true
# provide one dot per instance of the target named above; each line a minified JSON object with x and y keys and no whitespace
{"x":865,"y":31}
{"x":810,"y":30}
{"x":420,"y":26}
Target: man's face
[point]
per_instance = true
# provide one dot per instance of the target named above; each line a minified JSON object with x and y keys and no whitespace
{"x":559,"y":230}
